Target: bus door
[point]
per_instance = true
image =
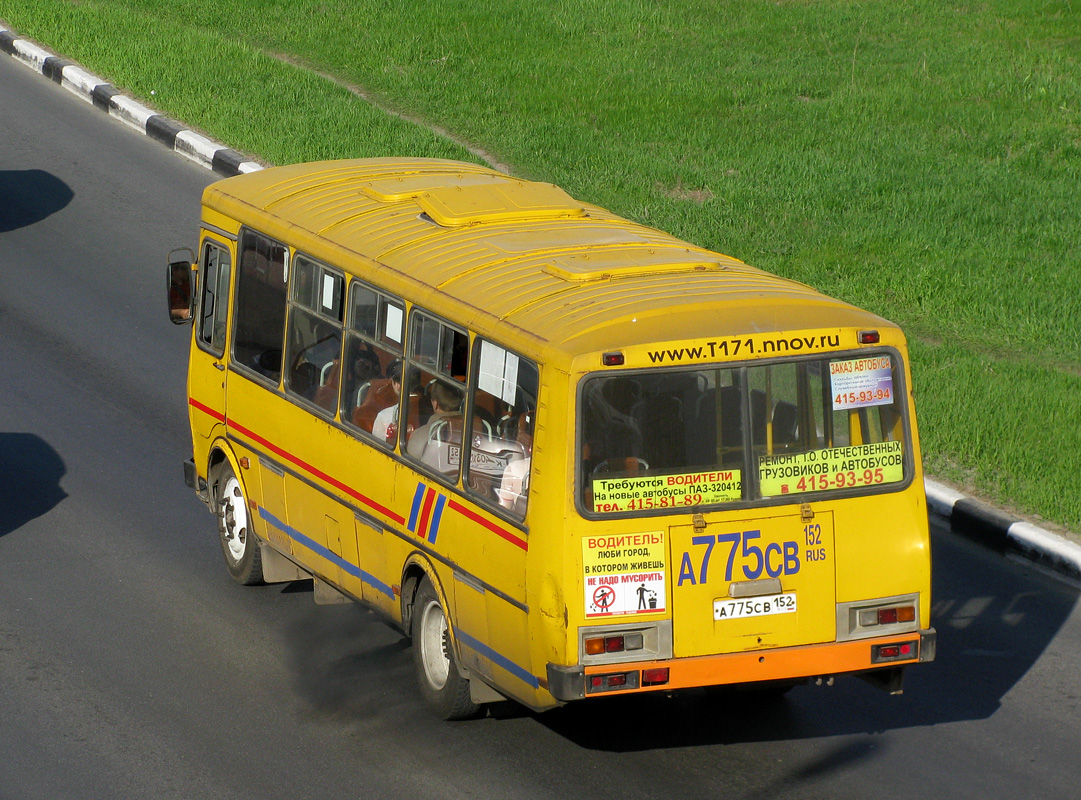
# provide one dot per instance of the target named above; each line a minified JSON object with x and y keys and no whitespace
{"x":753,"y":584}
{"x":209,"y":358}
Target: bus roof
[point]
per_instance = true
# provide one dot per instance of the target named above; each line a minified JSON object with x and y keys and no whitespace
{"x":509,"y":252}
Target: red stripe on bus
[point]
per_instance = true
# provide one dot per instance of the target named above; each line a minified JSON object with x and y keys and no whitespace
{"x":398,"y":518}
{"x":217,"y":416}
{"x":498,"y":531}
{"x":425,"y":512}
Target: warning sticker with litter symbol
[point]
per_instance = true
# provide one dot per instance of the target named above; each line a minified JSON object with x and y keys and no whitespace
{"x":625,"y":573}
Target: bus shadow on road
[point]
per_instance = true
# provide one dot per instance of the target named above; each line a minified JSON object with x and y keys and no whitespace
{"x":30,"y":473}
{"x":30,"y":195}
{"x":994,"y":619}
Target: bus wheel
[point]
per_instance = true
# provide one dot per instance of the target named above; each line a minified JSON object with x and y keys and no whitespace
{"x":441,"y":684}
{"x":238,"y":542}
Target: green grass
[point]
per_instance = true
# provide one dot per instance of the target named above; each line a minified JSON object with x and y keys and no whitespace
{"x":920,"y":159}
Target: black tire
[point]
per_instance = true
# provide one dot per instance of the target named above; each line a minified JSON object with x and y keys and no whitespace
{"x":239,"y":544}
{"x":441,"y":682}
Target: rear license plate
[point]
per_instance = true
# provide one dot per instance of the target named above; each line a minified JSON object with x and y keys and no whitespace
{"x":754,"y":606}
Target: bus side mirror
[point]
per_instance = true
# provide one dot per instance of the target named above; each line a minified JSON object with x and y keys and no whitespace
{"x":178,"y":279}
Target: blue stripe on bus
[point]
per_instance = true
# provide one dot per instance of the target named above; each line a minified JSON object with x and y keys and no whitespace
{"x":418,"y":495}
{"x":496,"y":658}
{"x":433,"y":527}
{"x":334,"y":558}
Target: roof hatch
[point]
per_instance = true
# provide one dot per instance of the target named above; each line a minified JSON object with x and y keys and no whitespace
{"x":498,"y":201}
{"x":627,"y":262}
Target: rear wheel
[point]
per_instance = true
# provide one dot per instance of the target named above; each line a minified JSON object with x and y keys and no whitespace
{"x":239,"y":544}
{"x":441,"y":683}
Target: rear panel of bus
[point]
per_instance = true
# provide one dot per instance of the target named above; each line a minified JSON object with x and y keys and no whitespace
{"x":757,"y":517}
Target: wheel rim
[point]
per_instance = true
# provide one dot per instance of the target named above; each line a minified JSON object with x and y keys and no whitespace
{"x":234,"y":515}
{"x":433,"y":645}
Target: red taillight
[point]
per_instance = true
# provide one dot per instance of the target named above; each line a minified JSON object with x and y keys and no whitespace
{"x":612,"y":359}
{"x":655,"y":676}
{"x":887,"y":616}
{"x":902,"y":651}
{"x":867,"y":337}
{"x":596,"y":645}
{"x":612,"y":682}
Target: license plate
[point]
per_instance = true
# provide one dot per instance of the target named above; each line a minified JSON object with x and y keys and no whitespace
{"x":754,"y":606}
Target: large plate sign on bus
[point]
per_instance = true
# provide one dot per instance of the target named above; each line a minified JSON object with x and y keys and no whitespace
{"x":666,"y":491}
{"x":832,"y":468}
{"x":624,"y":573}
{"x":861,"y":382}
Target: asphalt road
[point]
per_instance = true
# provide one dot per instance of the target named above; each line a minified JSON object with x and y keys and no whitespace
{"x":131,"y":666}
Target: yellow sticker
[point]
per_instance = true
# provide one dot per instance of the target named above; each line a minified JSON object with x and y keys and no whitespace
{"x":831,"y":468}
{"x":625,"y":573}
{"x":666,"y":491}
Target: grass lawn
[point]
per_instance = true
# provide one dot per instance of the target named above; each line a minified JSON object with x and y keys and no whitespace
{"x":919,"y":159}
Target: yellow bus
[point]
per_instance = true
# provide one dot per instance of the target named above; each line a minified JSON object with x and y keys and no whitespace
{"x":570,"y":455}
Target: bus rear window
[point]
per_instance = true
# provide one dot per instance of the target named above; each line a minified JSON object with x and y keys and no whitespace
{"x":691,"y":438}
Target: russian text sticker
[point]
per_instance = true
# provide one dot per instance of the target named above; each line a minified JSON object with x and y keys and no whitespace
{"x":625,"y":573}
{"x":861,"y":382}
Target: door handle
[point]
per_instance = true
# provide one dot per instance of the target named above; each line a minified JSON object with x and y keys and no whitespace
{"x":219,"y":366}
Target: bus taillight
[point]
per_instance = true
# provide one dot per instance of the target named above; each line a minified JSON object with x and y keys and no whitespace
{"x":596,"y":645}
{"x":903,"y":651}
{"x":611,"y":682}
{"x":657,"y":676}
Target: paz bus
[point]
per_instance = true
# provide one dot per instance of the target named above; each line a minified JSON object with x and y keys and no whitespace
{"x":569,"y":455}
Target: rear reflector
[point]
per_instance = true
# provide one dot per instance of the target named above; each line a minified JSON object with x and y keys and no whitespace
{"x":657,"y":676}
{"x":904,"y":651}
{"x":612,"y":682}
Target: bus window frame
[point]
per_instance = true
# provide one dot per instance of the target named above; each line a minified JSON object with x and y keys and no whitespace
{"x":752,"y":481}
{"x":380,"y":341}
{"x":473,"y":386}
{"x":410,"y":361}
{"x":235,"y":362}
{"x":293,"y":305}
{"x":210,"y":241}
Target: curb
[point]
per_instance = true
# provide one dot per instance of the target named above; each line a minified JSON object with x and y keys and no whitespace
{"x":105,"y":97}
{"x":1002,"y":532}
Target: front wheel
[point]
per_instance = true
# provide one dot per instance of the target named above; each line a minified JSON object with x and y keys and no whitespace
{"x":441,"y":684}
{"x":239,"y":544}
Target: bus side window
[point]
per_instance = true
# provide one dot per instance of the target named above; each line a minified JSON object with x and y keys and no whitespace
{"x":214,"y":300}
{"x":261,"y":300}
{"x":502,"y":420}
{"x":434,"y":404}
{"x":372,"y":378}
{"x":314,"y":351}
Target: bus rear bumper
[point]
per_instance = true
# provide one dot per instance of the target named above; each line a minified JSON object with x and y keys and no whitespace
{"x":759,"y":666}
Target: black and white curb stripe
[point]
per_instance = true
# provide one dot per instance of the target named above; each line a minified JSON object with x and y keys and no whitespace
{"x":1003,"y":532}
{"x":192,"y":145}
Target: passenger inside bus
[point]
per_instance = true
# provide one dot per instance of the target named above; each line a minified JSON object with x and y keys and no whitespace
{"x":437,"y":442}
{"x":384,"y":427}
{"x":514,"y":485}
